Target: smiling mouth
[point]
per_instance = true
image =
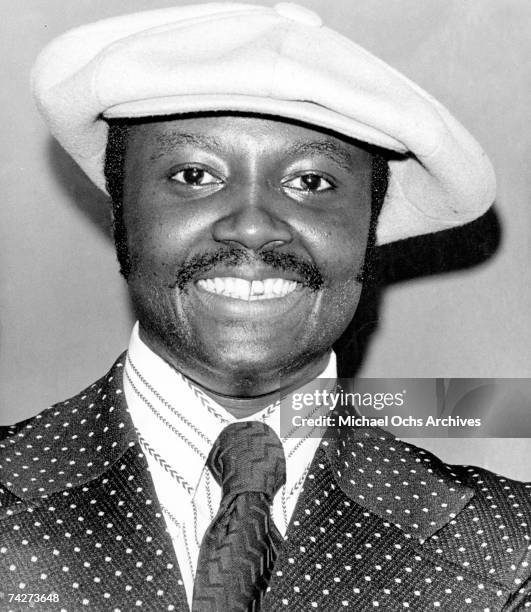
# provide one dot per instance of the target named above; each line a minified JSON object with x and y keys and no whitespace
{"x":242,"y":289}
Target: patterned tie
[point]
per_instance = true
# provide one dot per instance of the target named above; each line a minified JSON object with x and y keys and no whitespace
{"x":240,"y":546}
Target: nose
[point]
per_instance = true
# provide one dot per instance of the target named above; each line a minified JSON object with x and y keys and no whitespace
{"x":252,"y":224}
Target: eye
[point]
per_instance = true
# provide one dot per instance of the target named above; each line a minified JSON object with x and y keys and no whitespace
{"x":195,"y":176}
{"x":309,"y":182}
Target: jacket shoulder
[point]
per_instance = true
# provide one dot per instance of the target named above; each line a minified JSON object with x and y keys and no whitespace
{"x":48,"y":424}
{"x":501,"y":500}
{"x":491,"y":536}
{"x":7,"y":431}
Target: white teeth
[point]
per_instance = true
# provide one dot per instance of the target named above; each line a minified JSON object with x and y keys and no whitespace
{"x":277,"y":286}
{"x":219,"y":285}
{"x":242,"y":289}
{"x":229,"y":285}
{"x":257,"y":287}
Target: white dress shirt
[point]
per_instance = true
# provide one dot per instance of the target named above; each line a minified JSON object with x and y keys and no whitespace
{"x":177,"y":424}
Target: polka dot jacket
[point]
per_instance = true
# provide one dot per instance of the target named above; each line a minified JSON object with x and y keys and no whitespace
{"x":380,"y":524}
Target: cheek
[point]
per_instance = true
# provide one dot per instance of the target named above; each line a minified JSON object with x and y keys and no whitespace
{"x":340,"y":248}
{"x":161,"y":233}
{"x":150,"y":264}
{"x":155,"y":248}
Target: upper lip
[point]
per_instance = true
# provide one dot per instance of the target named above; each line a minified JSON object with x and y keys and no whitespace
{"x":250,"y":273}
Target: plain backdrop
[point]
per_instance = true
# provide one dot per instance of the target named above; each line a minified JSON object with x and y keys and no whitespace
{"x":64,"y":312}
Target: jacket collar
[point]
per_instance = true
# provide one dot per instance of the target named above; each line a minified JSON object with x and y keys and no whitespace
{"x":403,"y":484}
{"x":76,"y":441}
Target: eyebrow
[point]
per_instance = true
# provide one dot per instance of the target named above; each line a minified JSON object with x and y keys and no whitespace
{"x":167,"y":142}
{"x":328,"y":148}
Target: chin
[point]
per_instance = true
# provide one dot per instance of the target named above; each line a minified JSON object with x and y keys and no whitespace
{"x":257,"y":372}
{"x":252,"y":364}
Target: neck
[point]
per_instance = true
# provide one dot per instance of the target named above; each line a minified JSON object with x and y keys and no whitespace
{"x":242,"y":407}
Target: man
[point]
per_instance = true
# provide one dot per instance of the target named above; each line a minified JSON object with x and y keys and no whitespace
{"x":253,"y":158}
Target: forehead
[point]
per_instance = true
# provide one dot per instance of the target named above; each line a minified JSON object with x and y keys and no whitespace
{"x":233,"y":133}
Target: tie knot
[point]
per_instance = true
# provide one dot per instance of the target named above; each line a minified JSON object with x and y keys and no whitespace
{"x":248,"y":456}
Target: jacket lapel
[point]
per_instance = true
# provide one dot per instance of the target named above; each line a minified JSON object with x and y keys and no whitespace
{"x":81,"y":516}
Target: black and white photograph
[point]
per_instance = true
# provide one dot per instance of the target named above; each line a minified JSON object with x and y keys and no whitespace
{"x":265,"y":306}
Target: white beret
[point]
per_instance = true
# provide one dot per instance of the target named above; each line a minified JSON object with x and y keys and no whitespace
{"x":277,"y":61}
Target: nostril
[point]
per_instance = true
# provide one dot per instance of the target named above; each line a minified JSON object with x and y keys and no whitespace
{"x":253,"y":228}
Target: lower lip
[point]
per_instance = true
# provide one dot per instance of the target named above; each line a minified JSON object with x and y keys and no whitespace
{"x":233,"y":307}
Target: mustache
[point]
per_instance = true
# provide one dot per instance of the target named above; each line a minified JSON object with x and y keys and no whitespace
{"x":287,"y":262}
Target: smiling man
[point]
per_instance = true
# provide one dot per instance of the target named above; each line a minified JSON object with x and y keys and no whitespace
{"x":243,"y":229}
{"x":254,"y":159}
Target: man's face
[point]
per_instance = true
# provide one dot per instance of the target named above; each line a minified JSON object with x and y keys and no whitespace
{"x":246,"y":237}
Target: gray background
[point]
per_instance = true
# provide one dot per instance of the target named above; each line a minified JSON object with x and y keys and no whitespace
{"x":64,"y":314}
